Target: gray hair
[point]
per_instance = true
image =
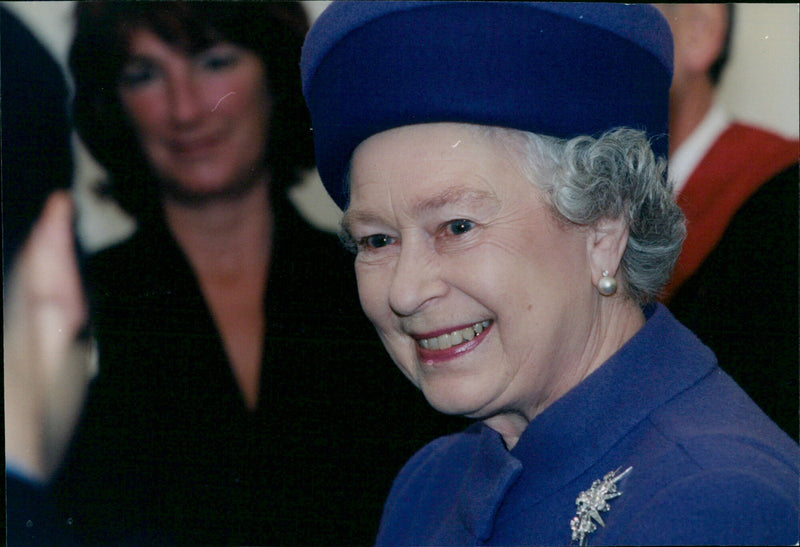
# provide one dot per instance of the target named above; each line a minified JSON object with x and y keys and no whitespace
{"x":616,"y":175}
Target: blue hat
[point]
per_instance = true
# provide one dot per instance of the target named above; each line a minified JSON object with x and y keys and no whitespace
{"x":555,"y":69}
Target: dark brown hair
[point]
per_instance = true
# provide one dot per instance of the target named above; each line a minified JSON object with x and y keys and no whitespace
{"x":274,"y":31}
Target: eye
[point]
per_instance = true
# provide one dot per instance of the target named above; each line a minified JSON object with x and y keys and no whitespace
{"x":137,"y":73}
{"x":460,"y":226}
{"x":216,"y":59}
{"x":375,"y":241}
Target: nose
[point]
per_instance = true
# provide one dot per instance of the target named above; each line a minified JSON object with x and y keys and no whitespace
{"x":185,"y":98}
{"x":417,"y":280}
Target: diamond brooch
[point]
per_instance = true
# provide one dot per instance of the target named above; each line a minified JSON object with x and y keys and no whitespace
{"x":590,"y":502}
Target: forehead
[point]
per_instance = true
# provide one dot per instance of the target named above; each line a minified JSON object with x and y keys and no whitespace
{"x":144,"y":45}
{"x":432,"y":165}
{"x":179,"y":33}
{"x":144,"y":38}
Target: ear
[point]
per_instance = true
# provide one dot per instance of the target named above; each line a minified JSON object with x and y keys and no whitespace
{"x":703,"y":35}
{"x":606,"y":243}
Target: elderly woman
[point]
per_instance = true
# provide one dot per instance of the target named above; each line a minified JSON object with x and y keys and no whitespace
{"x":501,"y":168}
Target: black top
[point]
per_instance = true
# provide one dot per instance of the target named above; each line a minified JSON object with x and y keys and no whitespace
{"x":167,"y":448}
{"x":743,"y":300}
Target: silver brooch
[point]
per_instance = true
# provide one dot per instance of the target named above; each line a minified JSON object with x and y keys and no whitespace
{"x":590,"y":502}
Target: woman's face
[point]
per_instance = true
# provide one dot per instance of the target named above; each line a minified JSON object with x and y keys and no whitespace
{"x":481,"y":297}
{"x":201,"y":119}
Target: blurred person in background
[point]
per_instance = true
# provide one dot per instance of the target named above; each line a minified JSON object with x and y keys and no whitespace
{"x":47,"y":364}
{"x":225,"y":409}
{"x":735,"y":282}
{"x":46,"y":355}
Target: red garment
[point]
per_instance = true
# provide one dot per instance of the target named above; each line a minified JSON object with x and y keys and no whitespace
{"x":741,"y":160}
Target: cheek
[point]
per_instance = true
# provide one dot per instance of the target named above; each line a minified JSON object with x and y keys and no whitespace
{"x":144,"y":110}
{"x":245,"y":97}
{"x":500,"y":263}
{"x":373,"y":292}
{"x":248,"y":116}
{"x":374,"y":297}
{"x":521,"y":271}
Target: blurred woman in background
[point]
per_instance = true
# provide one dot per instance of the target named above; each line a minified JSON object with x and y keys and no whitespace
{"x":222,"y":412}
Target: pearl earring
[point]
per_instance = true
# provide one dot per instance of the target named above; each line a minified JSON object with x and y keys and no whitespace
{"x":607,"y":284}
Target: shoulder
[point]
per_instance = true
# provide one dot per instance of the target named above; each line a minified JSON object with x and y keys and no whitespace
{"x":145,"y":259}
{"x":740,"y":160}
{"x":311,"y":266}
{"x":715,"y":506}
{"x":104,"y":266}
{"x":708,"y":467}
{"x":437,"y":466}
{"x":712,"y":474}
{"x":779,"y":193}
{"x":763,"y":139}
{"x":449,"y":452}
{"x":754,"y":149}
{"x":296,"y":239}
{"x":716,"y":424}
{"x":115,"y":253}
{"x":710,"y":489}
{"x":433,"y":478}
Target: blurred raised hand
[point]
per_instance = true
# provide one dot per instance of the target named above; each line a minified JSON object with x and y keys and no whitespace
{"x":46,"y":365}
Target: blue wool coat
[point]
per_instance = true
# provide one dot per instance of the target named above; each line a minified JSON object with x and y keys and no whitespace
{"x":708,"y":466}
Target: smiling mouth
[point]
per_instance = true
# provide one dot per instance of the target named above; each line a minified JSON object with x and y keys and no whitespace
{"x":450,"y":339}
{"x":195,"y":146}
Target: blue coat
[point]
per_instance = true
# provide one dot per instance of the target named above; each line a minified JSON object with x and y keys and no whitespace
{"x":708,"y":466}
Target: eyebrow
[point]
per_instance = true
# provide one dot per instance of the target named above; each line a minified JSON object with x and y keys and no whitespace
{"x":453,"y":195}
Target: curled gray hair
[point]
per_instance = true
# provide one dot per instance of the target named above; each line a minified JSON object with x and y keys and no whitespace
{"x":616,"y":175}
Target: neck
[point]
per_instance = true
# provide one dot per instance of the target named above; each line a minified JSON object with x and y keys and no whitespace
{"x":687,"y":108}
{"x":226,"y":235}
{"x":228,"y":243}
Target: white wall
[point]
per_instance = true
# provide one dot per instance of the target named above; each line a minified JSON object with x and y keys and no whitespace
{"x":760,"y":86}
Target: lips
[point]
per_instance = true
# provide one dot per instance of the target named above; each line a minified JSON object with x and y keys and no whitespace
{"x":453,"y":338}
{"x":194,"y":147}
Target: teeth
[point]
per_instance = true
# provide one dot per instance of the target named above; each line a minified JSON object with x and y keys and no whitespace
{"x":454,"y":338}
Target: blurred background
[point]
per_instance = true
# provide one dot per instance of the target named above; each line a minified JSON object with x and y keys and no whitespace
{"x":760,"y":85}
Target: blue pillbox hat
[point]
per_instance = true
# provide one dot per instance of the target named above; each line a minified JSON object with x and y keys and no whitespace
{"x":555,"y":69}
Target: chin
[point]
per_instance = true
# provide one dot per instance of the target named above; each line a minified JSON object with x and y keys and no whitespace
{"x":209,"y":189}
{"x":456,"y":400}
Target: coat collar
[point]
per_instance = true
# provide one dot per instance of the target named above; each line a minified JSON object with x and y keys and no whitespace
{"x":572,"y":434}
